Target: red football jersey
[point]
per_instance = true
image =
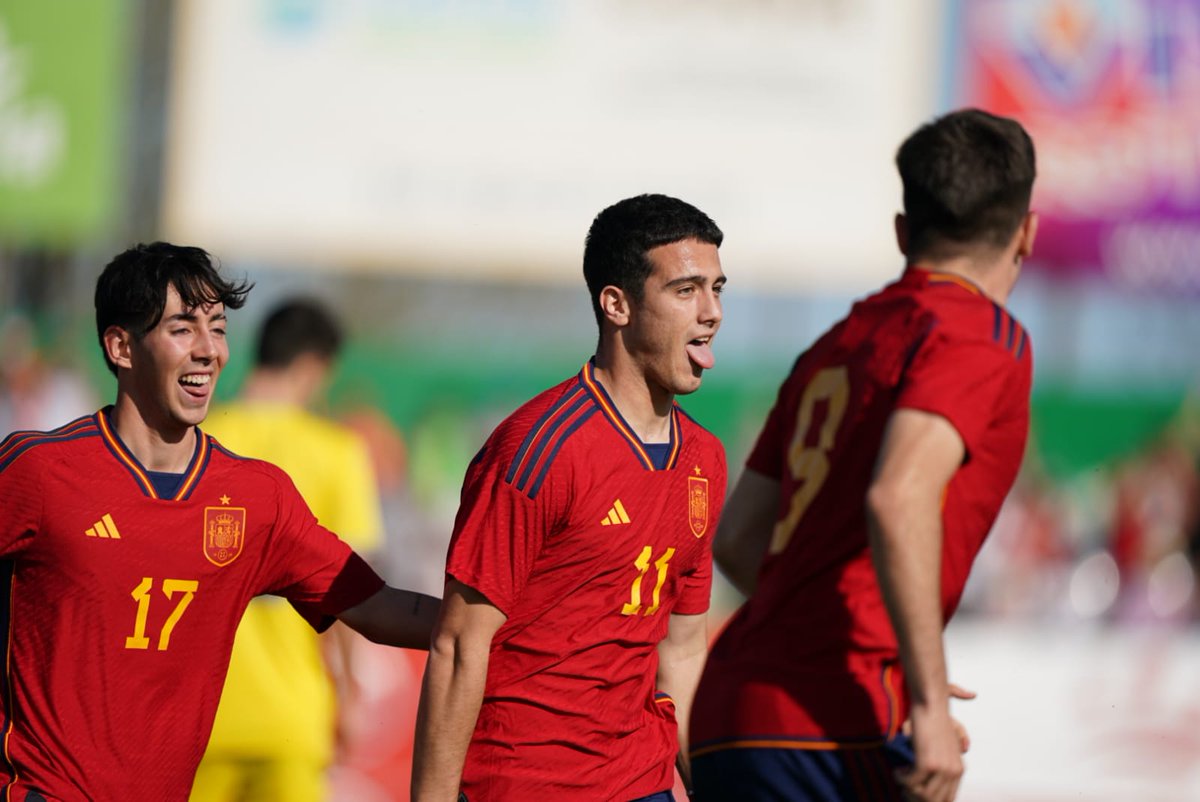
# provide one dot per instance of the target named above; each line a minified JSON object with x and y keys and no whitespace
{"x":812,"y":658}
{"x":569,"y":529}
{"x":121,"y":606}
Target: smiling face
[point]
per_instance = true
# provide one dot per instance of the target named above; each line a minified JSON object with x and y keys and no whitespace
{"x":171,"y":372}
{"x":670,"y":330}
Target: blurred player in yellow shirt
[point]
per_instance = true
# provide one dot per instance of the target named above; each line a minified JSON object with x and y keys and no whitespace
{"x":273,"y":738}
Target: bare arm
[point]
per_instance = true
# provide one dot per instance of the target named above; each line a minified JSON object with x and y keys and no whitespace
{"x":394,"y":617}
{"x":919,"y":456}
{"x":452,"y":691}
{"x":745,"y":529}
{"x":680,"y":660}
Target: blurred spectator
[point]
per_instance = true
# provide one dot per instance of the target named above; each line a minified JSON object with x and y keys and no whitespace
{"x":34,"y":393}
{"x":415,"y":550}
{"x":374,"y":756}
{"x":273,"y":738}
{"x":1155,"y":506}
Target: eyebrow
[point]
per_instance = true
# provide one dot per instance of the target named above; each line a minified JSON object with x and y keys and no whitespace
{"x":191,"y":316}
{"x":695,"y":278}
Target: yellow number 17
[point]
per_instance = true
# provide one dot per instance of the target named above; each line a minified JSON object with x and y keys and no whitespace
{"x":141,"y":594}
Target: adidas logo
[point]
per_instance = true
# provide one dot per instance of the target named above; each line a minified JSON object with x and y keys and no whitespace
{"x":105,"y":527}
{"x":616,"y":516}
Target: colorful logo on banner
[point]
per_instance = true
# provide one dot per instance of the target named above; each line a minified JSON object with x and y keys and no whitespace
{"x":1110,"y":91}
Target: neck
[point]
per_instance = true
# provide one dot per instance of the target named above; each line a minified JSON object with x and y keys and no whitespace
{"x":644,"y":405}
{"x":278,"y":386}
{"x":162,"y":448}
{"x":994,"y":276}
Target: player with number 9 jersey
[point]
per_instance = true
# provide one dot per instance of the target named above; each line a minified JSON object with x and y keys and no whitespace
{"x":932,"y":342}
{"x":587,"y":540}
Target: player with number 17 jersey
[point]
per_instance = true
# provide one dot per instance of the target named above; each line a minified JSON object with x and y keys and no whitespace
{"x":587,"y":540}
{"x":141,"y":590}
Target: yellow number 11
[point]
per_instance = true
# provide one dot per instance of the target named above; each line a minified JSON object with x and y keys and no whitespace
{"x":141,"y":594}
{"x":642,"y":563}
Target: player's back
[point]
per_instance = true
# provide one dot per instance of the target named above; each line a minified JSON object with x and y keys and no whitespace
{"x":921,"y":343}
{"x":835,"y":407}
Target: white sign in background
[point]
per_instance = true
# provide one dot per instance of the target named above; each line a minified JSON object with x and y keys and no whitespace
{"x":480,"y":137}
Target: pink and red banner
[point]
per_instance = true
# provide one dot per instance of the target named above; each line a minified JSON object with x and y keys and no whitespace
{"x":1110,"y":91}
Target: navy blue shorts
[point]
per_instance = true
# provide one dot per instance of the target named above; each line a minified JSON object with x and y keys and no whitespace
{"x":802,"y":775}
{"x":661,"y":796}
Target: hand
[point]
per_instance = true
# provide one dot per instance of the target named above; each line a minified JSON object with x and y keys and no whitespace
{"x":939,"y":741}
{"x":964,"y":737}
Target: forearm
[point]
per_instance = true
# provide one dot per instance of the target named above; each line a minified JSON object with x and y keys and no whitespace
{"x":745,"y":529}
{"x":680,"y":663}
{"x":451,"y":696}
{"x":921,"y":453}
{"x":906,"y":547}
{"x":395,"y":617}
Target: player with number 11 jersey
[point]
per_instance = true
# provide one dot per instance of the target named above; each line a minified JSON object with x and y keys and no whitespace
{"x":587,"y":539}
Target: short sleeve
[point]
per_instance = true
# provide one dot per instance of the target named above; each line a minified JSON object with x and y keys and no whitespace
{"x":695,"y":592}
{"x":21,"y":495}
{"x":768,"y":455}
{"x":499,"y":530}
{"x":310,"y":566}
{"x":963,"y":381}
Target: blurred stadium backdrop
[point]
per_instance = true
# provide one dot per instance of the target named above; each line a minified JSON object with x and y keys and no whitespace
{"x":429,"y":167}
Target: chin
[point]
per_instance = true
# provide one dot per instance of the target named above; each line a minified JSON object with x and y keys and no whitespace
{"x":192,"y":417}
{"x":687,"y":386}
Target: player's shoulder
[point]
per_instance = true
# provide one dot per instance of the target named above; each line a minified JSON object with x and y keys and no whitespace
{"x":542,"y":432}
{"x":694,"y":430}
{"x":950,"y":309}
{"x":247,"y":469}
{"x":326,"y":433}
{"x":52,"y":444}
{"x":547,"y":411}
{"x":972,"y":318}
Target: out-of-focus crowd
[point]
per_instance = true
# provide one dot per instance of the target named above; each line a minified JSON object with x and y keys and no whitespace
{"x":1119,"y":543}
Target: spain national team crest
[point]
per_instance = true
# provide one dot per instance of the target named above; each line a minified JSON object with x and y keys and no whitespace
{"x":698,"y":505}
{"x":224,"y":533}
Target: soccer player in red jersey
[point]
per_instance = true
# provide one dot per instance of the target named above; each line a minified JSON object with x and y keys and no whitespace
{"x":131,"y":543}
{"x":867,"y":496}
{"x":578,"y":576}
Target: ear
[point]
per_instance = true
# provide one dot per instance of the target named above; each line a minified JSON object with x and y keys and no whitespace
{"x":118,"y":345}
{"x":1027,"y":234}
{"x":900,"y":223}
{"x":614,"y":305}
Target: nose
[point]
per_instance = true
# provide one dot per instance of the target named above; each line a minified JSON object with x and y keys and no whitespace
{"x":206,"y":348}
{"x":710,"y":311}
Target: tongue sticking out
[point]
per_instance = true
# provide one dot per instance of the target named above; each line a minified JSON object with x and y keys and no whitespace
{"x":701,"y":354}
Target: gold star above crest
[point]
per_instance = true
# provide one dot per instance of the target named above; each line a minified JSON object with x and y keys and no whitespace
{"x":224,"y":499}
{"x":697,"y":470}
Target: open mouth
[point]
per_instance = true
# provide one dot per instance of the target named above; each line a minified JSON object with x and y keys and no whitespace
{"x":196,"y":382}
{"x":700,"y":352}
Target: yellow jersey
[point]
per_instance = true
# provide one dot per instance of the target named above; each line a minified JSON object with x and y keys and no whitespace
{"x":278,"y":698}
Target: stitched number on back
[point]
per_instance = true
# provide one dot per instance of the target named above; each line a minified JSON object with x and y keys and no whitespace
{"x":809,"y":464}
